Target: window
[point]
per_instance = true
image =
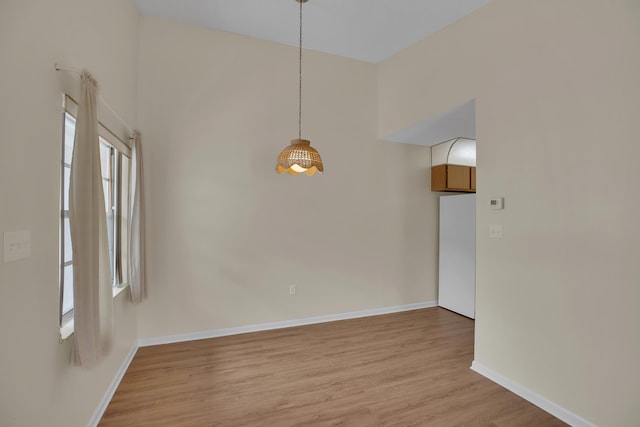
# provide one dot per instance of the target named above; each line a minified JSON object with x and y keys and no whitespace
{"x":115,"y":166}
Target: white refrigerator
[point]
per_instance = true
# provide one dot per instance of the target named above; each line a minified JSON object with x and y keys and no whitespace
{"x":457,"y":257}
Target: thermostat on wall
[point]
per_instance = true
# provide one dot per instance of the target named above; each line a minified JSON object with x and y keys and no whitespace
{"x":496,"y":203}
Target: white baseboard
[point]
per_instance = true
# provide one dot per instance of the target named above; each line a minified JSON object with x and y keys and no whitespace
{"x":538,"y":400}
{"x":214,"y":333}
{"x":99,"y":412}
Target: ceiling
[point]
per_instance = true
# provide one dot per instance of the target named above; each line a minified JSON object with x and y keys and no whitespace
{"x":368,"y":30}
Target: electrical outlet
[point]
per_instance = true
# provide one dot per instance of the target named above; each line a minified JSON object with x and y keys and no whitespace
{"x":292,"y":290}
{"x":495,"y":231}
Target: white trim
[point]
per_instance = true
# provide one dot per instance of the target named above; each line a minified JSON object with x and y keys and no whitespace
{"x":102,"y":406}
{"x":66,"y":330}
{"x":213,"y":333}
{"x":533,"y":397}
{"x":120,"y":140}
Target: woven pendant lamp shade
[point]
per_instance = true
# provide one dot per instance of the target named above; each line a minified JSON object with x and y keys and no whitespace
{"x":299,"y":157}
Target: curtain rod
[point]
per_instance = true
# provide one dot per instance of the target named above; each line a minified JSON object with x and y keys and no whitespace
{"x":58,"y":67}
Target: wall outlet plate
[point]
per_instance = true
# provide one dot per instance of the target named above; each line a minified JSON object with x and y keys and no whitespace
{"x":17,"y":245}
{"x":495,"y":231}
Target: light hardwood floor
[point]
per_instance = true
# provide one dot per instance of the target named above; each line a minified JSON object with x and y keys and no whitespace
{"x":404,"y":369}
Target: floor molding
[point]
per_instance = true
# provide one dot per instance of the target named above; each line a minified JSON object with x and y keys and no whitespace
{"x":214,"y":333}
{"x":533,"y":397}
{"x":102,"y":406}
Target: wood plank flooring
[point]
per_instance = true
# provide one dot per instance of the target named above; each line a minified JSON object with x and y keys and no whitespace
{"x":404,"y":369}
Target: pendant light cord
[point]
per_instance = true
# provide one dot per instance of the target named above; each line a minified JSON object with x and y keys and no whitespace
{"x":300,"y":77}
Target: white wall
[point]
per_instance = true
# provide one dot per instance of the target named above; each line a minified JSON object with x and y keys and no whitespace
{"x":38,"y":386}
{"x":226,"y":234}
{"x":557,"y":87}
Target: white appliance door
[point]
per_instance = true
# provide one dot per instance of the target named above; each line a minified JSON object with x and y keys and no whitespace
{"x":457,"y":264}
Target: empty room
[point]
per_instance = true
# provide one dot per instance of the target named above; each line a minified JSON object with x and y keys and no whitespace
{"x":234,"y":213}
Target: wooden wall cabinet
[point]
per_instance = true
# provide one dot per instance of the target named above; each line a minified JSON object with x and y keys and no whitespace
{"x":453,"y":178}
{"x":473,"y":179}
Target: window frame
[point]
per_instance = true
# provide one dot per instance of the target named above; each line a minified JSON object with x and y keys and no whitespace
{"x":118,"y":151}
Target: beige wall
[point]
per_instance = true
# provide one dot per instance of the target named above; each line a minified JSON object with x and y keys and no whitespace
{"x":557,"y":88}
{"x":38,"y":386}
{"x":226,"y":234}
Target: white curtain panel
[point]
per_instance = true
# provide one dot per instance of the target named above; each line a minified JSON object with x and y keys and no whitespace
{"x":137,"y":276}
{"x":92,"y":287}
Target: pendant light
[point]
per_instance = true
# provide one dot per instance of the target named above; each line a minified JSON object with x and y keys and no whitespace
{"x":300,"y":156}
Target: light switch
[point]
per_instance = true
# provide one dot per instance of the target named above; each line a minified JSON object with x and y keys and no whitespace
{"x":495,"y":231}
{"x":17,"y":245}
